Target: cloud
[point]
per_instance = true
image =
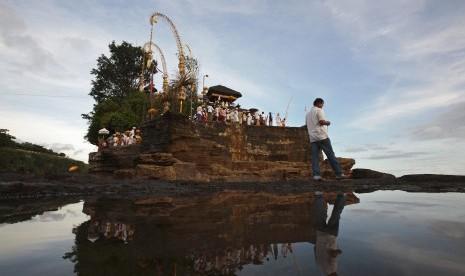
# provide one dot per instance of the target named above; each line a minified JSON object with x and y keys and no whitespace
{"x":422,"y":54}
{"x":58,"y":147}
{"x":450,"y":229}
{"x":21,"y":51}
{"x":406,"y":204}
{"x":365,"y":148}
{"x":78,"y":43}
{"x":424,"y":257}
{"x":449,"y":125}
{"x":395,"y":108}
{"x":397,"y":155}
{"x":51,"y":216}
{"x":238,"y":7}
{"x":355,"y":149}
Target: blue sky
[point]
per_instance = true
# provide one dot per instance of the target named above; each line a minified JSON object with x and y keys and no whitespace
{"x":391,"y":72}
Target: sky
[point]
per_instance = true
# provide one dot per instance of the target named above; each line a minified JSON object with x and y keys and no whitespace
{"x":392,"y":73}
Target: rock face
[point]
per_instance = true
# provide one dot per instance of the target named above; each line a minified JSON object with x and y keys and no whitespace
{"x":346,"y":166}
{"x":111,"y":160}
{"x":371,"y":174}
{"x":174,"y":148}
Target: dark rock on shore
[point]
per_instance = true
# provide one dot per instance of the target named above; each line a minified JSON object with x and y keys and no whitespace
{"x":90,"y":185}
{"x":428,"y":178}
{"x":367,"y":173}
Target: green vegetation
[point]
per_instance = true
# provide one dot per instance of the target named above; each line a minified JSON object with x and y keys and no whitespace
{"x":119,"y":105}
{"x":30,"y":158}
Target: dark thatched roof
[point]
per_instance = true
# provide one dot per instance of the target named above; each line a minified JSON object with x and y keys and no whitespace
{"x":224,"y":92}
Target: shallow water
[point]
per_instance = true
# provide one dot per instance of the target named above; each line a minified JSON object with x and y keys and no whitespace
{"x":242,"y":233}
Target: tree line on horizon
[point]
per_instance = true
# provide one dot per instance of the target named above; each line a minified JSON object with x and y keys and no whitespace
{"x":8,"y":141}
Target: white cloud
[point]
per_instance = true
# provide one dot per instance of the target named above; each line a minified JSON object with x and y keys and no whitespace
{"x":439,"y":259}
{"x":397,"y":41}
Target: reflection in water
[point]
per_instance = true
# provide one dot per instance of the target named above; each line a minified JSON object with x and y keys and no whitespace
{"x":205,"y":235}
{"x":326,"y":250}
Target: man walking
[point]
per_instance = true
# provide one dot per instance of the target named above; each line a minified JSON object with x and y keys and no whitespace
{"x":317,"y":127}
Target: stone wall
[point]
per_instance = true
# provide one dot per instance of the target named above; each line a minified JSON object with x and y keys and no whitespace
{"x":174,"y":148}
{"x":112,"y":160}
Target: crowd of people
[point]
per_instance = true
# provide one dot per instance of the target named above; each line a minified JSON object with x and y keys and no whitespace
{"x":229,"y":113}
{"x":226,"y":263}
{"x":118,"y":139}
{"x":110,"y":230}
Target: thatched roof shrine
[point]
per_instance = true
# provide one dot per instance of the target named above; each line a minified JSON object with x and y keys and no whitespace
{"x":225,"y":93}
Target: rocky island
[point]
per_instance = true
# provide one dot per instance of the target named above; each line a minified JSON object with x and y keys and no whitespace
{"x":176,"y":148}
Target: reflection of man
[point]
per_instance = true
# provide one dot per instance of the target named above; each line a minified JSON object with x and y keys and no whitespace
{"x":326,"y":250}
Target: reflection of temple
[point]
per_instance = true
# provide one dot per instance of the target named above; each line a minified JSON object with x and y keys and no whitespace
{"x":214,"y":235}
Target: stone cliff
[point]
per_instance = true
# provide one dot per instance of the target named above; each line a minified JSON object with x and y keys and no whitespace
{"x":174,"y":148}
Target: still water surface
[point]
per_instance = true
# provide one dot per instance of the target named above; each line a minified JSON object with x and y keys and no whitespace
{"x":243,"y":233}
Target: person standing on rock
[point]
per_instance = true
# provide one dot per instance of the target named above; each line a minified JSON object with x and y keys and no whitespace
{"x":317,"y":127}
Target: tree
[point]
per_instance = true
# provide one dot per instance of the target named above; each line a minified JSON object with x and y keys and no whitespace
{"x":118,"y":75}
{"x":6,"y":140}
{"x":119,"y":105}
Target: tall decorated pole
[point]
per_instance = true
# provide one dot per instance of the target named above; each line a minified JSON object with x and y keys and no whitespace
{"x":182,"y":62}
{"x":148,"y":48}
{"x":181,"y":58}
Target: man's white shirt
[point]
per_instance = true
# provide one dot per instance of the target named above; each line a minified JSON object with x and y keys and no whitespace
{"x":316,"y":131}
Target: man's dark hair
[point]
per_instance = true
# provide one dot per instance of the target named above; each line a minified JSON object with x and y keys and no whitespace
{"x":318,"y":101}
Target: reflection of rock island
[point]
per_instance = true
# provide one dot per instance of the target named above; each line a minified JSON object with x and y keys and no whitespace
{"x":175,"y":148}
{"x":217,"y":233}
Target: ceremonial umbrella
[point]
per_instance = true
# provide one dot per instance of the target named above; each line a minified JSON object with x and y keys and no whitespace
{"x":104,"y":131}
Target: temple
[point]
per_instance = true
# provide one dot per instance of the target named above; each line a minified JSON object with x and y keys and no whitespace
{"x":221,"y":142}
{"x":222,"y":93}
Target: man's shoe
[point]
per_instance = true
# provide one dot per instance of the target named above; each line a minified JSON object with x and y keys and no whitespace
{"x":341,"y":177}
{"x":317,"y":178}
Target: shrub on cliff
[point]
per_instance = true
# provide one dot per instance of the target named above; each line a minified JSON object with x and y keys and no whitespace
{"x":118,"y":103}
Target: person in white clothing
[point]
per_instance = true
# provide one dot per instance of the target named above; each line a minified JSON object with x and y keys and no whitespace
{"x":235,"y":116}
{"x":326,"y":249}
{"x":210,"y":110}
{"x":278,"y":120}
{"x":317,"y":127}
{"x":257,"y":118}
{"x":249,"y":119}
{"x":217,"y":113}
